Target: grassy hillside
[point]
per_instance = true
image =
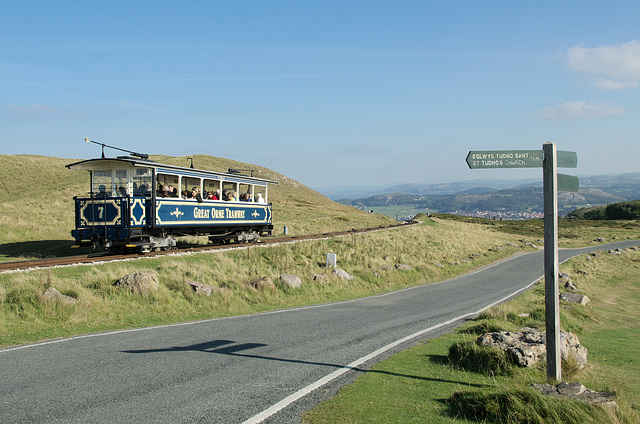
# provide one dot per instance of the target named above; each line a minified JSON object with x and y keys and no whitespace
{"x":36,"y":203}
{"x":622,"y":210}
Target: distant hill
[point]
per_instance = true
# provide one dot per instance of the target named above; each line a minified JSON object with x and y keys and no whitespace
{"x":626,"y":186}
{"x":479,"y":186}
{"x":497,"y":196}
{"x":359,"y":192}
{"x":528,"y":199}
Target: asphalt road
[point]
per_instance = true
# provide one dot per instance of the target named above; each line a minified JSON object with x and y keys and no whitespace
{"x":259,"y":368}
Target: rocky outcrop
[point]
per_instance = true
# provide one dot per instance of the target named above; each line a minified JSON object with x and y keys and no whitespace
{"x":319,"y":278}
{"x":53,"y":294}
{"x":262,"y":283}
{"x":523,"y":348}
{"x":526,"y":348}
{"x":569,"y":285}
{"x":340,"y":273}
{"x":291,"y":280}
{"x":577,"y":391}
{"x":201,"y":289}
{"x":580,"y":299}
{"x":403,"y":267}
{"x":140,"y":282}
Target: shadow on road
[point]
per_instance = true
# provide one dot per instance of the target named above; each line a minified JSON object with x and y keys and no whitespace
{"x":232,"y":348}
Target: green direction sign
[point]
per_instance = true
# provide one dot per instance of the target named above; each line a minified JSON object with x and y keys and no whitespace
{"x":567,"y":159}
{"x":487,"y":159}
{"x":568,"y":182}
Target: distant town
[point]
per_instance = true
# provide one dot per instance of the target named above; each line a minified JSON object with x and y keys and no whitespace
{"x":511,"y":215}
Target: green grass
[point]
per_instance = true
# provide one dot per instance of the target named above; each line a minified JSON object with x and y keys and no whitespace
{"x":447,"y":380}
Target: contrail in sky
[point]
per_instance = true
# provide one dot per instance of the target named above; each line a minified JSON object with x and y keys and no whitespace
{"x":146,"y":32}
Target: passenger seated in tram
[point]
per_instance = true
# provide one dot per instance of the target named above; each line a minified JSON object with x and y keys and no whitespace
{"x":213,"y":195}
{"x":144,"y":190}
{"x":173,"y":192}
{"x":102,"y":192}
{"x":232,"y":196}
{"x":225,"y":196}
{"x":259,"y":198}
{"x":163,"y":191}
{"x":195,"y":194}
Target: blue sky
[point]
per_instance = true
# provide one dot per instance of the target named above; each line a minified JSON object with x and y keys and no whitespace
{"x":325,"y":92}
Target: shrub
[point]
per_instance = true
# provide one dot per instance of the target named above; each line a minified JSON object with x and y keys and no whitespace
{"x":525,"y":406}
{"x":469,"y":356}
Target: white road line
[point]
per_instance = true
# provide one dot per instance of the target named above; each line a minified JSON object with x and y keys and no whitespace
{"x":258,"y":418}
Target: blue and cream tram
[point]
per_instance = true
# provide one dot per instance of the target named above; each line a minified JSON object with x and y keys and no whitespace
{"x":136,"y":203}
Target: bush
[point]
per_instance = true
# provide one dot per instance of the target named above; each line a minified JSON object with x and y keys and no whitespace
{"x":524,"y":406}
{"x":471,"y":357}
{"x":483,"y":327}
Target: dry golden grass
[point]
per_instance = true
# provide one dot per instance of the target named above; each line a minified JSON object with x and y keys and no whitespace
{"x":435,"y":250}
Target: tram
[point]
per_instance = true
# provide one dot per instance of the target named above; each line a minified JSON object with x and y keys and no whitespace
{"x":135,"y":203}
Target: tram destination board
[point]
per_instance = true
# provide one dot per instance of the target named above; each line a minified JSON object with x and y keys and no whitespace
{"x":488,"y":159}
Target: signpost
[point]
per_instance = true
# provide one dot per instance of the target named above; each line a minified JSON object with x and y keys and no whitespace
{"x":549,"y":159}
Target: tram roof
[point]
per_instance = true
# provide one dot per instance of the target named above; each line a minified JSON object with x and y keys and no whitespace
{"x":112,"y":163}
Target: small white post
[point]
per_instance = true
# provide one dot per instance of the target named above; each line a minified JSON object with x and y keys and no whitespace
{"x":332,"y":260}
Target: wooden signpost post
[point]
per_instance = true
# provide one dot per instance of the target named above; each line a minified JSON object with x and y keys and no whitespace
{"x":549,"y":159}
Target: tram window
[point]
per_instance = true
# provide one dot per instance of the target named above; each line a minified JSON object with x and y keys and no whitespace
{"x":245,"y":193}
{"x":227,"y":190}
{"x":212,"y":186}
{"x":101,"y":183}
{"x":164,"y":181}
{"x":187,"y":186}
{"x":262,"y":191}
{"x":142,"y":181}
{"x":120,"y":183}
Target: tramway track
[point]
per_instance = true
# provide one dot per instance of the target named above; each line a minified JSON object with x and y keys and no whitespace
{"x":106,"y":256}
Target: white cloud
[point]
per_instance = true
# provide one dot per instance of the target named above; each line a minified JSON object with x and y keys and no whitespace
{"x":613,"y":67}
{"x":581,"y":109}
{"x":614,"y":85}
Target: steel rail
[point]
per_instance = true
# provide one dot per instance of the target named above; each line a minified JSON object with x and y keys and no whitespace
{"x":106,"y":256}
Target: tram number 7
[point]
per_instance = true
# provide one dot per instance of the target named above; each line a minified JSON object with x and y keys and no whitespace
{"x":101,"y":212}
